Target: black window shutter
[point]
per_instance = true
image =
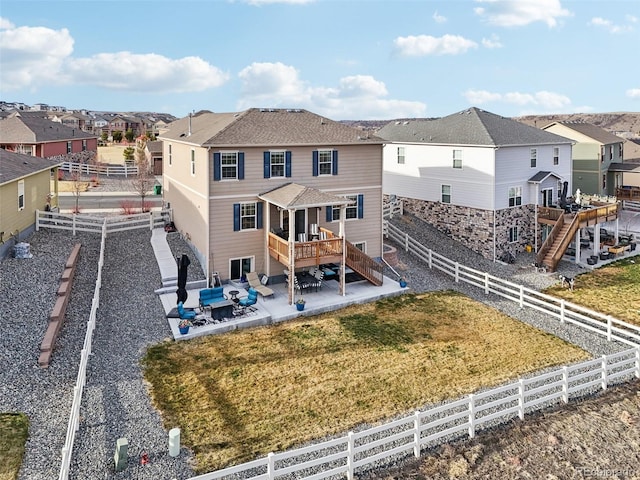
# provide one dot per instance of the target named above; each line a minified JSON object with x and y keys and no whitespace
{"x":334,"y":161}
{"x":236,"y":217}
{"x":216,"y":166}
{"x":315,"y":163}
{"x":329,"y":213}
{"x":287,"y":164}
{"x":360,"y":205}
{"x":267,"y":164}
{"x":259,"y":209}
{"x":240,"y":165}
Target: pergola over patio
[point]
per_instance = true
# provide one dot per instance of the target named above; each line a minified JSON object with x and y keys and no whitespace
{"x":327,"y":248}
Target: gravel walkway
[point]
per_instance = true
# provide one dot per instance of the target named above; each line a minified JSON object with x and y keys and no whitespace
{"x":130,"y":318}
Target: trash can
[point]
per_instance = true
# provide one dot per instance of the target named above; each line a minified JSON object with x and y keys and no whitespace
{"x":157,"y":189}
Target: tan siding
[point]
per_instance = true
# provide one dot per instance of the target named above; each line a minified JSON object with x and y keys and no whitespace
{"x":36,"y":188}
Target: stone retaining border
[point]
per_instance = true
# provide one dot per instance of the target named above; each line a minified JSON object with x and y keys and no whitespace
{"x":59,"y":308}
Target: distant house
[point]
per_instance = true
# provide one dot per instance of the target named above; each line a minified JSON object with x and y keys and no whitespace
{"x":594,"y":152}
{"x":40,"y":137}
{"x":25,"y":186}
{"x":477,"y":176}
{"x":269,"y":190}
{"x":153,"y":154}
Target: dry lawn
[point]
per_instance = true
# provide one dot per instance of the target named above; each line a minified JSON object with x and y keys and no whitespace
{"x":597,"y":437}
{"x":613,"y":290}
{"x":241,"y":395}
{"x":112,"y":154}
{"x":14,"y":429}
{"x":69,"y":186}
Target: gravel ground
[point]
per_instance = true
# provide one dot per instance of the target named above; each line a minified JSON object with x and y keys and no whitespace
{"x":130,"y":318}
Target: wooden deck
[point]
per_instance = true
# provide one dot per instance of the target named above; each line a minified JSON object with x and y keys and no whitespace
{"x":628,"y":193}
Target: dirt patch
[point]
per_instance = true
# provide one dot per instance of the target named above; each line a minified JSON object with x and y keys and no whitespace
{"x":112,"y":154}
{"x":597,"y":437}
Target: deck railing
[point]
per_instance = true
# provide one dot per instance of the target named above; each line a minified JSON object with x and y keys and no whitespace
{"x":315,"y":252}
{"x":628,"y":193}
{"x":364,"y":265}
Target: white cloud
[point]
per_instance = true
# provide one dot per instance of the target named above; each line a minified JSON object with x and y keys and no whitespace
{"x":5,"y":23}
{"x":548,"y":101}
{"x":631,"y":18}
{"x":355,"y":97}
{"x":421,"y":45}
{"x":609,"y":25}
{"x":34,"y":56}
{"x":439,"y":18}
{"x":145,"y":73}
{"x":633,"y":93}
{"x":493,"y":42}
{"x":517,"y":13}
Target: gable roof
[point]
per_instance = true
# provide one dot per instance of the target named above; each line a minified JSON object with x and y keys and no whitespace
{"x":469,"y":127}
{"x":592,"y":131}
{"x":33,"y":129}
{"x":264,"y":127}
{"x":294,"y":196}
{"x":17,"y":165}
{"x":541,"y":176}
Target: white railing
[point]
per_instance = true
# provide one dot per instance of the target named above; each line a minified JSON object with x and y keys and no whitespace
{"x":464,"y":416}
{"x":99,"y":169}
{"x":87,"y":223}
{"x":74,"y":417}
{"x":428,"y":428}
{"x":392,"y":208}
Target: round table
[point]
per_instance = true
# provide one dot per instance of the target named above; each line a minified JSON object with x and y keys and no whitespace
{"x":234,"y":296}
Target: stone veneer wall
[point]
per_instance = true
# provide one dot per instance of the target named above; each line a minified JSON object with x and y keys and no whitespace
{"x":475,"y":227}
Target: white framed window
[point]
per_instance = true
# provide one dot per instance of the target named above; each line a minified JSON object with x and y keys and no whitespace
{"x":610,"y":152}
{"x":604,"y":181}
{"x":25,"y":149}
{"x":240,"y":266}
{"x":400,"y":155}
{"x":248,"y":216}
{"x":534,"y":157}
{"x":445,"y":194}
{"x":515,"y":196}
{"x":513,"y":234}
{"x":84,"y":145}
{"x":277,"y":163}
{"x":354,"y":211}
{"x":556,"y":155}
{"x":229,"y":165}
{"x":457,"y":159}
{"x":325,"y":162}
{"x":620,"y":150}
{"x":69,"y":147}
{"x":170,"y":157}
{"x":20,"y":195}
{"x":362,"y":246}
{"x":193,"y":163}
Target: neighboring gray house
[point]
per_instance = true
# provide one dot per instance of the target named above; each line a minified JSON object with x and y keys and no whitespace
{"x":477,"y":176}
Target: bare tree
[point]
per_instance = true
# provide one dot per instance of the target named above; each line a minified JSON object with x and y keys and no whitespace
{"x":77,"y":186}
{"x":144,"y":182}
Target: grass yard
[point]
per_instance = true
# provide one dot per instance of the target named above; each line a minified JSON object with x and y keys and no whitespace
{"x":613,"y":289}
{"x":241,"y":395}
{"x":14,"y":430}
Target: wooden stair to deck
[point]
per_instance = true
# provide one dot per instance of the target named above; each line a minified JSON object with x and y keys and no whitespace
{"x":560,"y":242}
{"x":363,"y":264}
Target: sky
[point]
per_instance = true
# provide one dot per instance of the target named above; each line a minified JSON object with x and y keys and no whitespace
{"x":346,"y":60}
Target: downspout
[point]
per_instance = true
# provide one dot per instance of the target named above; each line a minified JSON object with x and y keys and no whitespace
{"x":208,"y":264}
{"x":536,"y":218}
{"x":267,"y":229}
{"x":343,"y":213}
{"x":292,"y":249}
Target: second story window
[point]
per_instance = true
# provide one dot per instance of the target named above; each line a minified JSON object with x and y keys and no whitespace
{"x":620,"y":150}
{"x":534,"y":157}
{"x":325,"y":162}
{"x":21,"y":195}
{"x":84,"y":145}
{"x":228,"y":166}
{"x":610,"y":152}
{"x":69,"y":147}
{"x":400,"y":155}
{"x":247,"y":216}
{"x":556,"y":155}
{"x":515,"y":196}
{"x":445,"y":194}
{"x":170,"y":155}
{"x":353,"y":211}
{"x":277,"y":164}
{"x":457,"y":159}
{"x":193,"y":162}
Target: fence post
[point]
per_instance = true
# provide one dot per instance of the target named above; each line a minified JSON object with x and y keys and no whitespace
{"x":562,"y":305}
{"x":638,"y":362}
{"x":565,"y":384}
{"x":472,"y":416}
{"x":604,"y":372}
{"x":416,"y":434}
{"x":521,"y":300}
{"x":270,"y":466}
{"x":151,"y":221}
{"x":350,"y":455}
{"x":74,"y":224}
{"x":406,"y":242}
{"x":609,"y":332}
{"x":37,"y":220}
{"x":457,"y":272}
{"x":486,"y":283}
{"x":430,"y":258}
{"x":521,"y":399}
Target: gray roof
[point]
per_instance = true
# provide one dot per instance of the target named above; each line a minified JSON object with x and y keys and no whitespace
{"x":264,"y":127}
{"x":154,"y":146}
{"x":592,"y":131}
{"x":625,"y":167}
{"x":542,"y":176}
{"x":469,"y":127}
{"x":32,"y":129}
{"x":294,"y":196}
{"x":17,"y":165}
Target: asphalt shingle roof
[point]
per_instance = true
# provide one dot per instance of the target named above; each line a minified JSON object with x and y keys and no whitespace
{"x":592,"y":131}
{"x":292,"y":195}
{"x":17,"y":165}
{"x":265,"y":127}
{"x":31,"y":129}
{"x":469,"y":127}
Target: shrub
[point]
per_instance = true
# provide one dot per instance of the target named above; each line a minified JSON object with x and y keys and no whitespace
{"x":127,"y":207}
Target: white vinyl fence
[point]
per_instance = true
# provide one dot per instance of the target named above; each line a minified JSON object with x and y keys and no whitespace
{"x":87,"y":223}
{"x":424,"y":429}
{"x":74,"y":417}
{"x":100,"y":169}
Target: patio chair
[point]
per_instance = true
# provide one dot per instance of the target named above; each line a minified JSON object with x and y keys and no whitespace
{"x":317,"y":279}
{"x":250,"y":299}
{"x":188,"y":314}
{"x":302,"y":237}
{"x":300,"y":285}
{"x":257,"y":285}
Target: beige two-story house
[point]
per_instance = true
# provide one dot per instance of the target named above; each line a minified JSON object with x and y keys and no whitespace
{"x":269,"y":190}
